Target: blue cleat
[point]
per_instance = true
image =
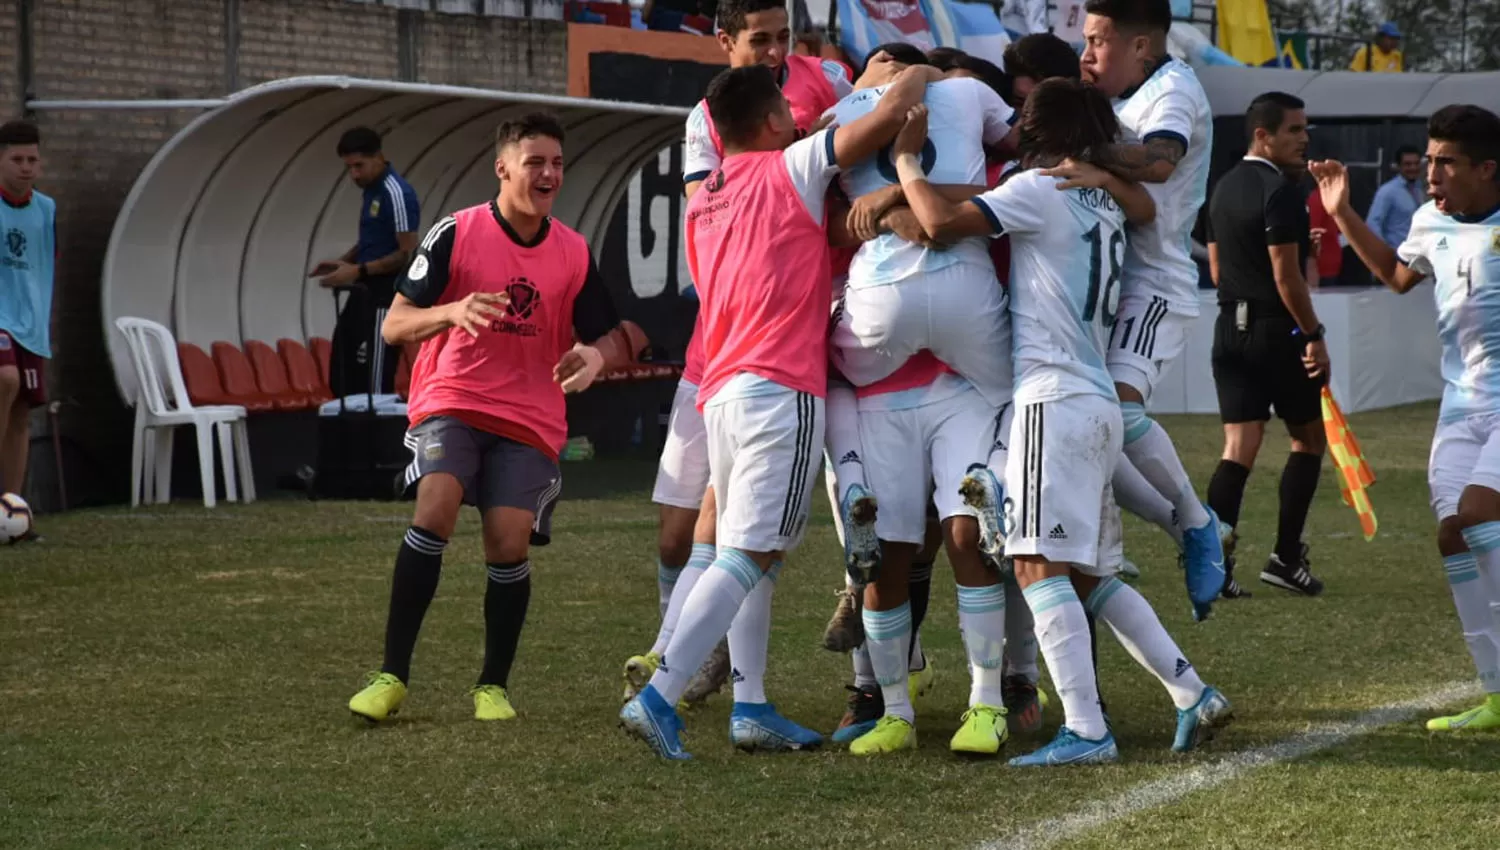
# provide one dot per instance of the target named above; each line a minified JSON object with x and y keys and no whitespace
{"x":861,"y":545}
{"x":1203,"y":564}
{"x":649,"y":718}
{"x":983,"y":492}
{"x":758,"y":726}
{"x":1068,"y":748}
{"x":1197,"y":725}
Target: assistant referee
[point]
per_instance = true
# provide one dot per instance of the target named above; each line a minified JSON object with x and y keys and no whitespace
{"x":1268,"y":346}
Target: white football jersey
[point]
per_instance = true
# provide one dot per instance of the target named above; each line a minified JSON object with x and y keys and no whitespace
{"x":963,"y":115}
{"x":1159,"y":261}
{"x":1067,"y":249}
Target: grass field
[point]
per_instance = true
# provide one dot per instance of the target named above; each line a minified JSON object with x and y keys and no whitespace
{"x":178,"y":677}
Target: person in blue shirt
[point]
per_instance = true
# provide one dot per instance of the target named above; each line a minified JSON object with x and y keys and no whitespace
{"x":1398,"y":198}
{"x":389,"y":216}
{"x":1455,"y":243}
{"x":28,"y":226}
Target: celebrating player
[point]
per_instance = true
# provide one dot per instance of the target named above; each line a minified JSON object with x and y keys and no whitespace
{"x":1455,"y":241}
{"x":495,"y":296}
{"x":1066,"y":436}
{"x":758,"y":253}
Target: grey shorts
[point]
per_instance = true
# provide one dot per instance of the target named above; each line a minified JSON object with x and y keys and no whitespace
{"x":495,"y":472}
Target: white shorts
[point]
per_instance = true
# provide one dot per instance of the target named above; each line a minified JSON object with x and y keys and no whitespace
{"x":960,"y":313}
{"x":763,"y":459}
{"x":920,"y":455}
{"x":1148,"y":335}
{"x":1463,"y":453}
{"x":682,"y":475}
{"x":1062,"y":456}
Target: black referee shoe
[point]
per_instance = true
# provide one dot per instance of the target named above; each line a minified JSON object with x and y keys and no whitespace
{"x":1293,"y":577}
{"x":1232,"y":589}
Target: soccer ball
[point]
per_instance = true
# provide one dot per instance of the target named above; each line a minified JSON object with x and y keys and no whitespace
{"x":15,"y":517}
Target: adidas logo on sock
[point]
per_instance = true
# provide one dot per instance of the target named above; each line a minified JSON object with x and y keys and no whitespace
{"x":1182,"y":667}
{"x":735,"y":675}
{"x":850,"y":457}
{"x":1057,"y":533}
{"x":661,"y":666}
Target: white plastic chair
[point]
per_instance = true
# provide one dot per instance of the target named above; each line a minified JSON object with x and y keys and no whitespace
{"x":161,"y":405}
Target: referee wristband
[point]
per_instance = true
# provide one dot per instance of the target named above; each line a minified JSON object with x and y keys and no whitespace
{"x":1315,"y":336}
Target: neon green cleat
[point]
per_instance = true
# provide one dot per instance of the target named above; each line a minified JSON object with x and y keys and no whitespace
{"x":380,"y":698}
{"x":1486,"y":716}
{"x":491,"y":703}
{"x":919,"y":683}
{"x":638,"y":672}
{"x":982,"y":731}
{"x":889,"y":735}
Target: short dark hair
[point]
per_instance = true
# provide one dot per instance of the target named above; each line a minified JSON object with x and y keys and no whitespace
{"x":19,"y":133}
{"x":528,"y":126}
{"x":1268,"y":112}
{"x":739,"y":99}
{"x":1065,"y":118}
{"x":1041,"y":56}
{"x":988,"y":72}
{"x":1474,"y":129}
{"x":902,"y":52}
{"x":731,"y":14}
{"x":944,"y":58}
{"x":360,"y":140}
{"x":1140,"y":15}
{"x":1405,"y":151}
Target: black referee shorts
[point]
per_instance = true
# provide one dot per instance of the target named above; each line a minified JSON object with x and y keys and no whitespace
{"x":1260,"y":368}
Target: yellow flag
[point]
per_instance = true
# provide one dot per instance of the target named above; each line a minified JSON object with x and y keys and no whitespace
{"x":1355,"y":475}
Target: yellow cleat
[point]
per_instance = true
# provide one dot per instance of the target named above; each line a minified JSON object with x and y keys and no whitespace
{"x":380,"y":699}
{"x":1486,"y":716}
{"x":491,"y":703}
{"x":982,"y":732}
{"x":638,"y":672}
{"x":889,"y":735}
{"x":919,"y":683}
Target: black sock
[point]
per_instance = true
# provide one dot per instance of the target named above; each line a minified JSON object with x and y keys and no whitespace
{"x":1226,"y":491}
{"x":919,"y":589}
{"x":1299,"y":481}
{"x":505,"y":599}
{"x":419,"y":564}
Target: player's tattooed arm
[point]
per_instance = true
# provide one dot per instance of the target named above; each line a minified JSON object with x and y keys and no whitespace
{"x":1134,"y":200}
{"x":1152,"y":162}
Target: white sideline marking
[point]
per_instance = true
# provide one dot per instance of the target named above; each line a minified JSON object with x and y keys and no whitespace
{"x":1160,"y":792}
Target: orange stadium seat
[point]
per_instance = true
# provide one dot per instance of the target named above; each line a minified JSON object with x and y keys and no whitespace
{"x":270,"y":376}
{"x":302,"y":371}
{"x":322,"y":351}
{"x":203,"y":385}
{"x":239,"y":378}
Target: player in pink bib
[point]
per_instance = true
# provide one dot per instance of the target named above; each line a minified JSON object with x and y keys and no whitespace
{"x":757,"y":250}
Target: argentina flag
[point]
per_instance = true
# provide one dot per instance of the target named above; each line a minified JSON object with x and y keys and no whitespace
{"x":866,"y":24}
{"x":971,"y":27}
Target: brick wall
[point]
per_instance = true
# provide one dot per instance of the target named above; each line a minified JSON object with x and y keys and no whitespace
{"x":150,"y":49}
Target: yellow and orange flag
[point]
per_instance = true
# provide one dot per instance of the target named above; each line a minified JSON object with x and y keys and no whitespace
{"x":1354,"y":472}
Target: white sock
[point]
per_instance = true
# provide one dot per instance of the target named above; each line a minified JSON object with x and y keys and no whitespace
{"x":830,"y":482}
{"x":1020,"y":635}
{"x":701,"y":559}
{"x":706,"y":616}
{"x":845,"y":450}
{"x":1062,"y":630}
{"x":1156,"y":459}
{"x":1471,"y":597}
{"x":666,"y":579}
{"x":1135,"y":494}
{"x":981,"y":622}
{"x":888,"y":640}
{"x":749,"y":639}
{"x":1140,"y":631}
{"x":864,"y":671}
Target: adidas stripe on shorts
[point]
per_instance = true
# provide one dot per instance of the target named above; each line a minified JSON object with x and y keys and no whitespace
{"x":1148,"y":335}
{"x":763,"y":456}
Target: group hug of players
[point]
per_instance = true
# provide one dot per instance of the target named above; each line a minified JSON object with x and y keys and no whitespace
{"x":964,"y":308}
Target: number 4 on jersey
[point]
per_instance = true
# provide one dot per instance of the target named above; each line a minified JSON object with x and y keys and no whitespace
{"x":1111,"y":293}
{"x":1466,"y":272}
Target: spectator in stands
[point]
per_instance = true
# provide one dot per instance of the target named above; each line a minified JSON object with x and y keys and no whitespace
{"x":388,"y":219}
{"x":1382,"y":55}
{"x":1398,"y":198}
{"x":1327,"y":245}
{"x":1036,"y":57}
{"x":28,"y":220}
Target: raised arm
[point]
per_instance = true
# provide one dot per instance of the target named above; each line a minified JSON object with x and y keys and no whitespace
{"x":862,"y":138}
{"x":1378,"y":257}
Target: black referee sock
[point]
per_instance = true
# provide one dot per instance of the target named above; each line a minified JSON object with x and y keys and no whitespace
{"x":1299,"y":482}
{"x":505,"y":599}
{"x":919,"y":589}
{"x":419,"y":564}
{"x":1226,"y":491}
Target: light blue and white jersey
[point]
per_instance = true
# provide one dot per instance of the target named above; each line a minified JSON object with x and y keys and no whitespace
{"x":1066,"y":253}
{"x":1463,"y":260}
{"x":963,"y":115}
{"x":1158,"y":260}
